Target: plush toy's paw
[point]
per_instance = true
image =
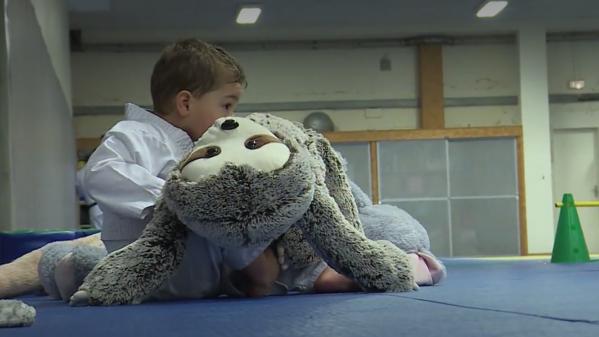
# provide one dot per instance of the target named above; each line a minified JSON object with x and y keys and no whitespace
{"x":14,"y":313}
{"x":73,"y":267}
{"x":400,"y":277}
{"x":80,"y":299}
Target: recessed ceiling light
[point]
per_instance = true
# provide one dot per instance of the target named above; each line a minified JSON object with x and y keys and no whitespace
{"x":490,"y":8}
{"x":248,"y":14}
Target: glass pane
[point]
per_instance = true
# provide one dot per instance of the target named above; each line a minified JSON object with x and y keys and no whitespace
{"x":483,"y":227}
{"x":357,"y":156}
{"x":412,"y":169}
{"x":433,"y":216}
{"x":483,"y":167}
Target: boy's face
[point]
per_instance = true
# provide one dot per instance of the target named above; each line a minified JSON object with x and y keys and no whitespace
{"x":206,"y":109}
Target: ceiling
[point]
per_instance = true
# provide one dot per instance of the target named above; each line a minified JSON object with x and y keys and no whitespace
{"x":158,"y":21}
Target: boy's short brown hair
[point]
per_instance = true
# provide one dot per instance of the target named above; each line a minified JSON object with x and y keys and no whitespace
{"x":191,"y":65}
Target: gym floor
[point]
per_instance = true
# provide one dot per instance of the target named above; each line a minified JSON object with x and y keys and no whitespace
{"x":480,"y":297}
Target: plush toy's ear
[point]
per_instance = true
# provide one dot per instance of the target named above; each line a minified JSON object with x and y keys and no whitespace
{"x":131,"y":274}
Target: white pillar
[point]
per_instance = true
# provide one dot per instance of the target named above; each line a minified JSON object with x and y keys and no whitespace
{"x":37,"y":146}
{"x":6,"y":205}
{"x":53,"y":19}
{"x":534,"y":108}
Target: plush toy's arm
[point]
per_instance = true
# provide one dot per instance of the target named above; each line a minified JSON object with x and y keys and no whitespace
{"x":375,"y":265}
{"x":336,"y":179}
{"x":131,"y":274}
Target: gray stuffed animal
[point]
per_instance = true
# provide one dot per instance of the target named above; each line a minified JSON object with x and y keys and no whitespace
{"x":15,"y":313}
{"x":306,"y":203}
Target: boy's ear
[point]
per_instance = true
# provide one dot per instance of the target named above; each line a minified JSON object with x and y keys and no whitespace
{"x":182,"y":102}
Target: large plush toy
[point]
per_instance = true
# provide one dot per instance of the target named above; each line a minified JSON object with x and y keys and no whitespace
{"x":300,"y":194}
{"x":253,"y":180}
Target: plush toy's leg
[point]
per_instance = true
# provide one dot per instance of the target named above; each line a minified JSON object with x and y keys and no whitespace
{"x":129,"y":275}
{"x":53,"y":253}
{"x":375,"y":265}
{"x":72,"y":269}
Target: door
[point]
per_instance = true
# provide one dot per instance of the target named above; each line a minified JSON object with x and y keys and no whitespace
{"x":575,"y":171}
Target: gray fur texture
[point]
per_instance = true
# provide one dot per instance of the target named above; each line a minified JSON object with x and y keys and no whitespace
{"x":309,"y":198}
{"x":387,"y":222}
{"x":242,"y":206}
{"x":332,"y":225}
{"x":84,"y":259}
{"x":51,"y":254}
{"x":15,"y":313}
{"x":129,"y":275}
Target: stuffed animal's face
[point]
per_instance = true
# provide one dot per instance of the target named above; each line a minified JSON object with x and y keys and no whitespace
{"x":236,"y":141}
{"x":241,"y":185}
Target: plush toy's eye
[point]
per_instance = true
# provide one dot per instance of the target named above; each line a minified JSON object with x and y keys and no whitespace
{"x":212,"y":151}
{"x":203,"y":153}
{"x":252,"y":144}
{"x":256,"y":142}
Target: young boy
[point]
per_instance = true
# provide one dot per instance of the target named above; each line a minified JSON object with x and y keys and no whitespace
{"x":192,"y":84}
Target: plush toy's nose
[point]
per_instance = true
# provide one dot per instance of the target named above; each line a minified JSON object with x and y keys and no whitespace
{"x":229,"y":124}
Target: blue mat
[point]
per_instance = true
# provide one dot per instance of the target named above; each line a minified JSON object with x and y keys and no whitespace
{"x":480,"y":298}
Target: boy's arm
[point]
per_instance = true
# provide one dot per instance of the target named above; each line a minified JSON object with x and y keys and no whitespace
{"x":121,"y":175}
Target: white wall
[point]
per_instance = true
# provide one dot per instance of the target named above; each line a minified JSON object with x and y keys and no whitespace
{"x":573,"y":60}
{"x":480,"y":70}
{"x":110,"y":79}
{"x":101,"y":79}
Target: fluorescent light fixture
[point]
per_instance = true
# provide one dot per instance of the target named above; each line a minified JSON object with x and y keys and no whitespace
{"x":490,"y":8}
{"x":248,"y":14}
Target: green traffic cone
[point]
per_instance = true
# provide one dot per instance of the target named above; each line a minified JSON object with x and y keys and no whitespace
{"x":569,"y":245}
